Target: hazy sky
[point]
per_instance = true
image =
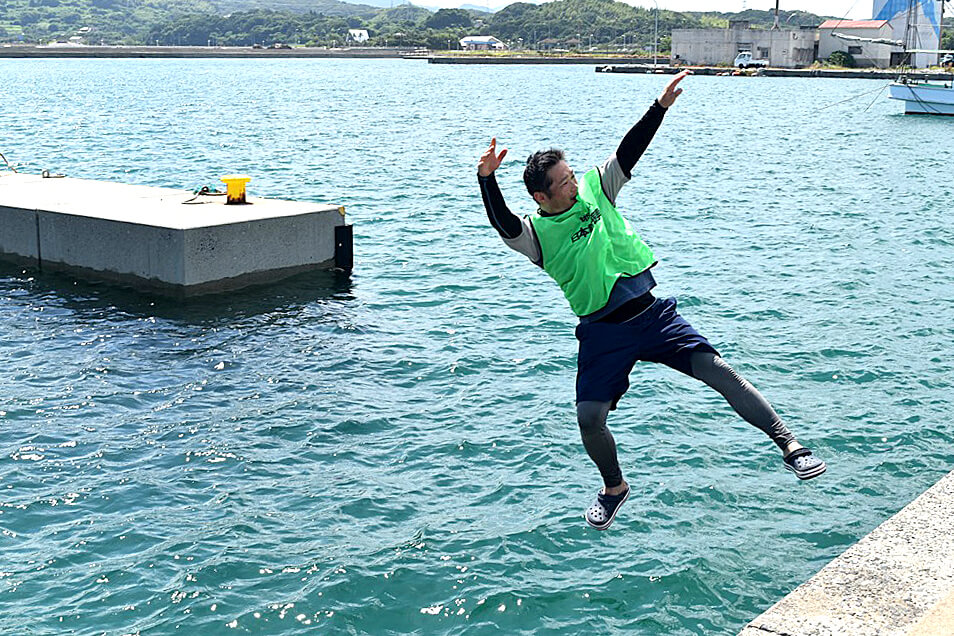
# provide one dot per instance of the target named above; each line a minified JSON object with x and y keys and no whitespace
{"x":853,"y":9}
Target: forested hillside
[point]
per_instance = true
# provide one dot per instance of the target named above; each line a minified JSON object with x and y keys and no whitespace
{"x":106,"y":20}
{"x":561,"y":24}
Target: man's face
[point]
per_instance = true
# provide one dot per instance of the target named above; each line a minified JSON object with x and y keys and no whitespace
{"x":563,"y":189}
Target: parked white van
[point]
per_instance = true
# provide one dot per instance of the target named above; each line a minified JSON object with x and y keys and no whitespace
{"x":745,"y":60}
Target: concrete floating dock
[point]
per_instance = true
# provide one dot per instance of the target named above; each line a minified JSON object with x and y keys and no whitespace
{"x":898,"y":580}
{"x":164,"y":240}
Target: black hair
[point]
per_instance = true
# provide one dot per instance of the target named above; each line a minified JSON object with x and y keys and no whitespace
{"x":536,"y":174}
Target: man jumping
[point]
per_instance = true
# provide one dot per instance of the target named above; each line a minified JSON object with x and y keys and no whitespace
{"x":604,"y":269}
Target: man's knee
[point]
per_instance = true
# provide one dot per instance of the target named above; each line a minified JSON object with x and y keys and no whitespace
{"x":591,"y":416}
{"x":705,"y":364}
{"x":713,"y":370}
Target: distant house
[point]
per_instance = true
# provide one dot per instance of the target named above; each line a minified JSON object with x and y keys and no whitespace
{"x":481,"y":43}
{"x":358,"y":36}
{"x":864,"y":53}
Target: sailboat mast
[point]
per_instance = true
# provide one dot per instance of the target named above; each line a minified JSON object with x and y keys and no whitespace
{"x":940,"y":31}
{"x":910,"y":29}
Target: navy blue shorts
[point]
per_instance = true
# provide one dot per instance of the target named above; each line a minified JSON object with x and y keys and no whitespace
{"x":608,"y":351}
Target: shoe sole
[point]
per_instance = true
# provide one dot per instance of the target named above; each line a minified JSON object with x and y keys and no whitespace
{"x":609,"y":521}
{"x":808,"y":474}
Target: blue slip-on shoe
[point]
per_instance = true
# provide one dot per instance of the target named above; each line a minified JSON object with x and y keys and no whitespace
{"x":601,"y":514}
{"x":804,"y":464}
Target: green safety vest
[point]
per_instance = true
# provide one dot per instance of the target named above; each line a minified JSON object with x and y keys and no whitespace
{"x":589,"y":247}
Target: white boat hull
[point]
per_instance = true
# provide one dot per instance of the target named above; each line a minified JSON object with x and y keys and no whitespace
{"x":924,"y":99}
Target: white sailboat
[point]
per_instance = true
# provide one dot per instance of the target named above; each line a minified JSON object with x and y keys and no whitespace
{"x":922,"y":97}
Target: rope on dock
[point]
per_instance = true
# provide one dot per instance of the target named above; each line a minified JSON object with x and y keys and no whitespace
{"x":7,"y":162}
{"x":204,"y":191}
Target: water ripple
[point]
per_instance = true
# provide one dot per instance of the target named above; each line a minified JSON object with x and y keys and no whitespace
{"x":396,"y":451}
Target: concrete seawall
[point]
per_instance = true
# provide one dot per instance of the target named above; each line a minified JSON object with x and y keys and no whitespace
{"x":196,"y":52}
{"x":619,"y":67}
{"x":533,"y":59}
{"x":164,"y":240}
{"x":897,"y":581}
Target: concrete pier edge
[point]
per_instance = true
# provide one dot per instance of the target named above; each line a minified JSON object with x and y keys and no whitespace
{"x":535,"y":59}
{"x":898,"y":580}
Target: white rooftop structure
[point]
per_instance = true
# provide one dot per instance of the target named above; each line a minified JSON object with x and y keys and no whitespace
{"x":853,"y":37}
{"x":481,"y":42}
{"x":358,"y":35}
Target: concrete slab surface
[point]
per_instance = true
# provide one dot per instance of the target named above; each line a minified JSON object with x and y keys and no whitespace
{"x":143,"y":205}
{"x":897,"y":581}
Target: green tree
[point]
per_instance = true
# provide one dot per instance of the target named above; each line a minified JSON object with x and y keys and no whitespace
{"x":449,"y":19}
{"x":841,"y":58}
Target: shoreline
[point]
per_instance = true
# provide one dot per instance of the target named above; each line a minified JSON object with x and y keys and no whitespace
{"x":197,"y":52}
{"x":408,"y":53}
{"x":602,"y":63}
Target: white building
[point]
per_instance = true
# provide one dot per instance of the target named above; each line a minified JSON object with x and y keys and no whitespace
{"x":783,"y":48}
{"x":481,"y":43}
{"x":923,"y":31}
{"x":865,"y":53}
{"x":359,"y":36}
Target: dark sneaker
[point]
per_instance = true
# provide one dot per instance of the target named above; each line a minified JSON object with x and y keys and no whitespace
{"x":804,"y":464}
{"x":601,"y":514}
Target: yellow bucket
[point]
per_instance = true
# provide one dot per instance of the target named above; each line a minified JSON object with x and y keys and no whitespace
{"x":235,"y":188}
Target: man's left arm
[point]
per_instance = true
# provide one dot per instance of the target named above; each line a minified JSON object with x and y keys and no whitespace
{"x":617,"y":169}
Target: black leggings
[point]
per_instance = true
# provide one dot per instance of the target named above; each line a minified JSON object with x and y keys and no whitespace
{"x":716,"y":373}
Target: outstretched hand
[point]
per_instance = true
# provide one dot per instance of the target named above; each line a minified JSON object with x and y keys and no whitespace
{"x":490,"y":160}
{"x":672,"y":91}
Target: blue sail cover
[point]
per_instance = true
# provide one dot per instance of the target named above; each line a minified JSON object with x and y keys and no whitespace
{"x":888,"y":9}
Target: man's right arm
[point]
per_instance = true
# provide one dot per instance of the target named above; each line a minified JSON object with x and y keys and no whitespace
{"x":516,"y":232}
{"x":504,"y":221}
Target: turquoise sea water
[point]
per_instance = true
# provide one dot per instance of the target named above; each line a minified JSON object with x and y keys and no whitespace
{"x":396,"y":452}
